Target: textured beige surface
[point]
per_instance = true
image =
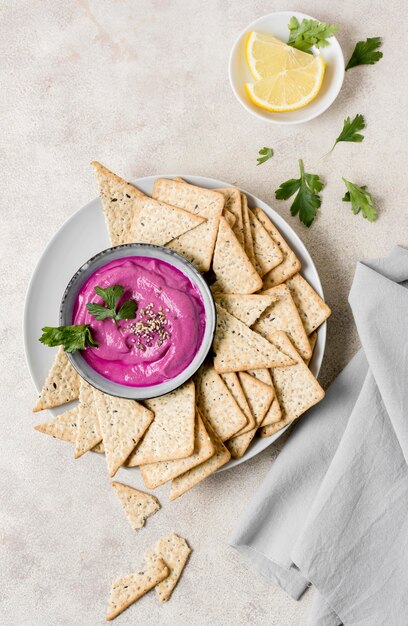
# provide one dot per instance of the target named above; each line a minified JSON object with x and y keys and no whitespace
{"x":74,"y":83}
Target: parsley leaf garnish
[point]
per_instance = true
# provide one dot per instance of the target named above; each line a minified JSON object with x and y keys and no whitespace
{"x":361,"y":200}
{"x":266,"y":154}
{"x":111,"y":296}
{"x":75,"y":337}
{"x":307,"y":199}
{"x":309,"y":33}
{"x":349,"y":132}
{"x":366,"y":53}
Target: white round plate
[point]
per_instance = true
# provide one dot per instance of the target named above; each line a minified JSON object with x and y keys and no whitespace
{"x":277,"y":24}
{"x":82,"y":237}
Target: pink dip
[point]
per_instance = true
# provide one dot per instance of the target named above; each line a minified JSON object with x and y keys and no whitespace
{"x":124,"y":355}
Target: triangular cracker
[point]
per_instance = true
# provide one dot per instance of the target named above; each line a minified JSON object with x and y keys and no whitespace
{"x":234,"y":387}
{"x":217,"y":405}
{"x":123,"y":424}
{"x":312,"y":341}
{"x":246,"y":308}
{"x":88,"y":431}
{"x":233,"y":270}
{"x":198,"y":246}
{"x":233,"y":204}
{"x":229,"y":217}
{"x":261,"y":374}
{"x":117,"y":197}
{"x":282,"y":314}
{"x":267,"y":252}
{"x":187,"y":481}
{"x":137,"y":505}
{"x":155,"y":474}
{"x":61,"y":385}
{"x":274,"y":413}
{"x":128,"y":589}
{"x":312,"y":309}
{"x":63,"y":427}
{"x":290,"y":264}
{"x":259,"y":398}
{"x":248,"y":242}
{"x":238,"y":348}
{"x":174,"y":551}
{"x":171,"y":435}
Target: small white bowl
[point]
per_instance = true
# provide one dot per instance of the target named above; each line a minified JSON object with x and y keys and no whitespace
{"x":277,"y":24}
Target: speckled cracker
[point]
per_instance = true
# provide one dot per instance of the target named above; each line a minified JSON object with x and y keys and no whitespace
{"x":88,"y":433}
{"x":313,"y":310}
{"x":197,"y":247}
{"x":174,"y":551}
{"x":233,"y":270}
{"x":155,"y":474}
{"x":238,"y":348}
{"x":248,"y":242}
{"x":233,"y":204}
{"x":262,"y":374}
{"x":259,"y":398}
{"x":282,"y":314}
{"x":246,"y":308}
{"x":64,"y":427}
{"x":217,"y":405}
{"x":171,"y":435}
{"x":234,"y":387}
{"x":137,"y":505}
{"x":61,"y":385}
{"x":290,"y":264}
{"x":123,"y":424}
{"x":267,"y":252}
{"x":128,"y":589}
{"x":274,"y":413}
{"x":117,"y":197}
{"x":187,"y":481}
{"x":312,"y":341}
{"x":230,"y":218}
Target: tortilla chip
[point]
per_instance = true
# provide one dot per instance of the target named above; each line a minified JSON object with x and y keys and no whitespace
{"x":246,"y":308}
{"x":234,"y":387}
{"x":61,"y":385}
{"x":290,"y":264}
{"x":88,"y":432}
{"x":233,"y":270}
{"x":128,"y":589}
{"x":117,"y":197}
{"x":171,"y":435}
{"x":259,"y":398}
{"x":174,"y":551}
{"x":137,"y":505}
{"x":312,"y":341}
{"x":232,"y":198}
{"x":217,"y":405}
{"x":195,"y":475}
{"x":267,"y":252}
{"x":248,"y":242}
{"x":238,"y":348}
{"x":155,"y":474}
{"x":313,"y":310}
{"x":123,"y":423}
{"x":282,"y":314}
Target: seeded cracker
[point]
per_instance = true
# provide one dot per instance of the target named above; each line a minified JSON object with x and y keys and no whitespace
{"x":174,"y":551}
{"x":274,"y":413}
{"x":238,"y":348}
{"x":137,"y":505}
{"x":123,"y":424}
{"x":248,"y":243}
{"x":64,"y":427}
{"x":155,"y":474}
{"x":262,"y":374}
{"x":233,"y":203}
{"x":88,"y":433}
{"x":233,"y":270}
{"x":171,"y":435}
{"x":267,"y":252}
{"x":61,"y":385}
{"x":128,"y":589}
{"x":313,"y":310}
{"x":312,"y":340}
{"x":246,"y":308}
{"x":234,"y":387}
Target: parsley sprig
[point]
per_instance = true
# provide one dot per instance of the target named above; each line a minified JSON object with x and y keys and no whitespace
{"x":350,"y":131}
{"x":309,"y":33}
{"x":307,"y":199}
{"x":365,"y":53}
{"x":266,"y":154}
{"x":75,"y":337}
{"x":361,"y":200}
{"x":111,"y":296}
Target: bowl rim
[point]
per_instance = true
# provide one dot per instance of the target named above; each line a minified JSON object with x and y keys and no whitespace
{"x":129,"y":392}
{"x":258,"y":114}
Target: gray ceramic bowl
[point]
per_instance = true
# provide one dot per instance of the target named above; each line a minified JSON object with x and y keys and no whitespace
{"x":147,"y":250}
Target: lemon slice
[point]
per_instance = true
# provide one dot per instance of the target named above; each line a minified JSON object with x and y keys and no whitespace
{"x":288,"y":89}
{"x":267,"y":56}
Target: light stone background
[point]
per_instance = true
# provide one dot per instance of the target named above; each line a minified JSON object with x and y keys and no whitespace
{"x":142,"y":86}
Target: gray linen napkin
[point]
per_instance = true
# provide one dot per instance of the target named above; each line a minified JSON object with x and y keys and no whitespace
{"x":333,"y":510}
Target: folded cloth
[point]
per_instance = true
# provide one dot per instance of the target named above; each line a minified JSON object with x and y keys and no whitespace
{"x":333,"y":510}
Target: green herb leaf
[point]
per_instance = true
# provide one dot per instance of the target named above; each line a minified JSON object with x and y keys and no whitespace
{"x":366,"y":53}
{"x":361,"y":200}
{"x":309,"y":33}
{"x":100,"y":312}
{"x":349,"y":132}
{"x":75,"y":337}
{"x":307,"y":199}
{"x":266,"y":154}
{"x":127,"y":311}
{"x":111,"y":296}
